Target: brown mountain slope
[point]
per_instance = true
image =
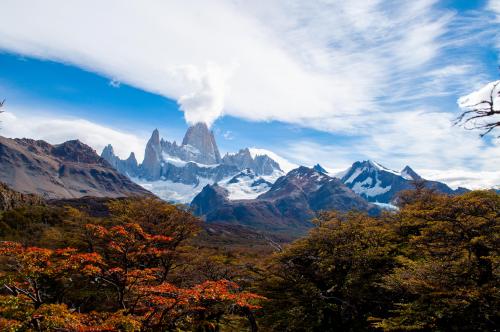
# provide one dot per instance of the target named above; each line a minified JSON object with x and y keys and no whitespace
{"x":68,"y":170}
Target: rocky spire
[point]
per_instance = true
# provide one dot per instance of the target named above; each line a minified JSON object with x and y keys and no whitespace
{"x":108,"y":153}
{"x":200,"y":141}
{"x":151,"y":165}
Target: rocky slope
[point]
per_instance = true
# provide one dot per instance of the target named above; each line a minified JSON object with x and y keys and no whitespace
{"x":67,"y":170}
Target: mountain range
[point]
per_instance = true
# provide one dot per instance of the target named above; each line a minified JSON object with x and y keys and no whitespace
{"x":177,"y":172}
{"x":252,"y":190}
{"x":377,"y":183}
{"x":246,"y":188}
{"x":288,"y":206}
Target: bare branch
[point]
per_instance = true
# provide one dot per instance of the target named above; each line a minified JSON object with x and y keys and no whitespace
{"x":483,"y":110}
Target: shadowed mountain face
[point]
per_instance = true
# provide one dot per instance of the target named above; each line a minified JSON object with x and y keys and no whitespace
{"x":287,"y":207}
{"x":68,"y":170}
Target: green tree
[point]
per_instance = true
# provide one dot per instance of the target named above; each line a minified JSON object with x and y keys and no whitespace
{"x":330,"y":280}
{"x":448,"y":273}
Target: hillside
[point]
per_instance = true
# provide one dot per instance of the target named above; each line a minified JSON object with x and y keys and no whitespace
{"x":68,"y":170}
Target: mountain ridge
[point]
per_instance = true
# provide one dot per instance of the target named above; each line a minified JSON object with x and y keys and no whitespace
{"x":67,"y":170}
{"x":288,"y":206}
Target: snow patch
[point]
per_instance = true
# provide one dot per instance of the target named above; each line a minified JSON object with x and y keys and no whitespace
{"x":246,"y":186}
{"x":364,"y":188}
{"x":174,"y":191}
{"x":383,"y":168}
{"x":386,"y":206}
{"x":354,"y":175}
{"x":173,"y":160}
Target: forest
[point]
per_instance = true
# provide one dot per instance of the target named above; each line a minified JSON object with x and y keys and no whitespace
{"x":140,"y":264}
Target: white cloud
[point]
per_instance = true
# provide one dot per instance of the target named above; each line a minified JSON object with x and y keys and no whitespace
{"x":228,"y":135}
{"x":494,"y":6}
{"x":206,"y":101}
{"x":351,"y":67}
{"x":463,"y":178}
{"x":308,"y":63}
{"x":423,"y":140}
{"x":58,"y":130}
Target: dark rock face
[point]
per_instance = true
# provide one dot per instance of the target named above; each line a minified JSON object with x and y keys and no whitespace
{"x":209,"y":199}
{"x":200,"y":143}
{"x":68,"y":170}
{"x":287,"y":207}
{"x":320,"y":169}
{"x":377,"y":183}
{"x":409,"y":174}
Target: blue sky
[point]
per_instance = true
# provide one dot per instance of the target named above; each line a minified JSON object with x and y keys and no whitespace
{"x":314,"y":82}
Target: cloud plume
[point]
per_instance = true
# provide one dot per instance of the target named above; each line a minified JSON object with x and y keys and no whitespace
{"x":205,"y":101}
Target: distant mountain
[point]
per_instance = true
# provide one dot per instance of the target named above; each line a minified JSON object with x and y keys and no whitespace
{"x":377,"y":183}
{"x":287,"y":206}
{"x":127,"y":166}
{"x":179,"y":172}
{"x":70,"y":169}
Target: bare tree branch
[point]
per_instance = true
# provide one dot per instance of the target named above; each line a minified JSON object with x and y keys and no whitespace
{"x":483,"y":115}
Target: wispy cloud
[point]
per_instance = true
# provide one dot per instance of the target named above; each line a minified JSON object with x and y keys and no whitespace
{"x":309,"y":63}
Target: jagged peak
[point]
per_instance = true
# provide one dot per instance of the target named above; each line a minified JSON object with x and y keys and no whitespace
{"x":201,"y":138}
{"x":75,"y":150}
{"x":132,"y":157}
{"x":408,"y":173}
{"x":302,"y":170}
{"x":320,"y":169}
{"x":155,"y":138}
{"x":108,"y":151}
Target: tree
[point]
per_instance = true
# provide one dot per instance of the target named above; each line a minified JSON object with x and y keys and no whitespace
{"x":481,"y":109}
{"x":42,"y":275}
{"x":120,"y":283}
{"x":433,"y":265}
{"x":448,"y":269}
{"x":330,"y":280}
{"x":157,"y":217}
